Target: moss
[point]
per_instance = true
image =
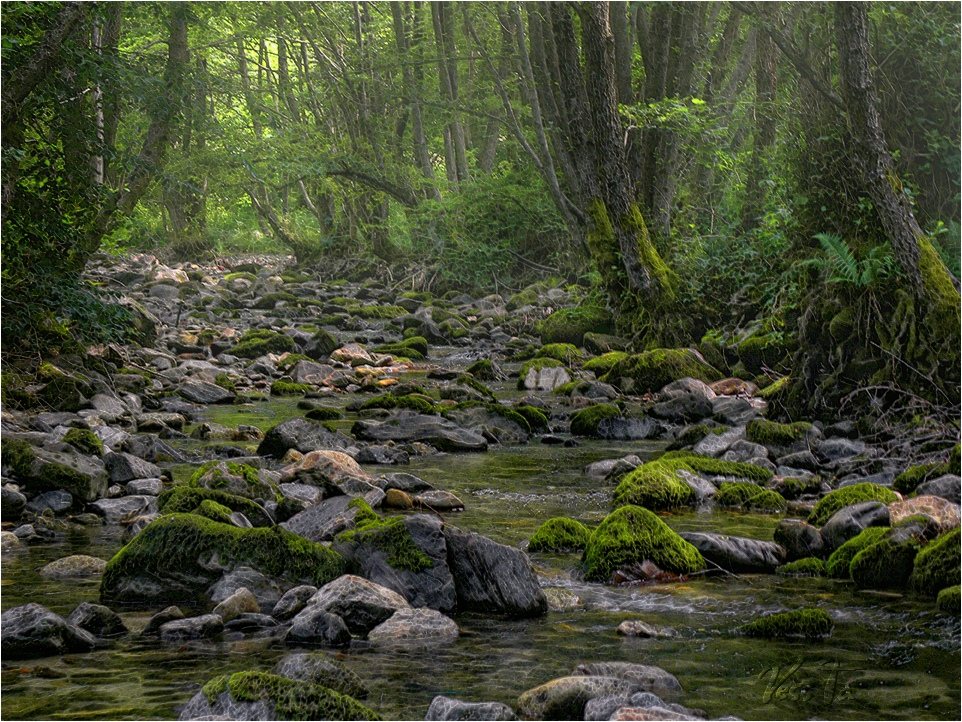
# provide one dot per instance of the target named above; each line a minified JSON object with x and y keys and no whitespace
{"x":413,"y":347}
{"x":270,"y":300}
{"x":568,"y":388}
{"x":585,"y":422}
{"x":691,"y":435}
{"x":536,"y":418}
{"x":18,"y":455}
{"x":838,"y":563}
{"x":717,"y":467}
{"x":291,"y":360}
{"x":225,"y":381}
{"x":602,"y":343}
{"x":846,"y":496}
{"x":240,"y":274}
{"x":416,"y":402}
{"x":565,"y":352}
{"x":569,"y":325}
{"x":776,"y":389}
{"x":179,"y":545}
{"x":772,"y":433}
{"x":323,"y":414}
{"x":949,"y":600}
{"x":376,"y":312}
{"x":746,"y":495}
{"x":495,"y":408}
{"x":943,"y":316}
{"x":807,"y":567}
{"x":809,"y":623}
{"x":763,"y":351}
{"x":258,"y":342}
{"x":652,"y":370}
{"x":282,"y":387}
{"x":241,"y":479}
{"x":600,"y":365}
{"x":84,"y":440}
{"x":291,"y":699}
{"x":632,"y":534}
{"x":483,"y":370}
{"x":937,"y":565}
{"x":792,"y":487}
{"x":560,"y":534}
{"x":886,"y":564}
{"x":210,"y":509}
{"x":655,"y":486}
{"x":187,"y":499}
{"x":909,"y":480}
{"x":389,"y":536}
{"x":473,"y":383}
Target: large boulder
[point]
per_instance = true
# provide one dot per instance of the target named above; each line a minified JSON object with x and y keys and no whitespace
{"x":565,"y":698}
{"x":123,"y":467}
{"x":33,"y":630}
{"x":419,"y":626}
{"x":848,"y":522}
{"x":326,"y":520}
{"x":75,"y":566}
{"x":301,"y":434}
{"x":84,"y":477}
{"x":737,"y":554}
{"x":647,"y":677}
{"x":178,"y":556}
{"x":944,"y":512}
{"x":799,"y":539}
{"x":333,"y":471}
{"x":410,"y":426}
{"x":362,"y":604}
{"x":12,"y":504}
{"x":492,"y":577}
{"x":315,"y":627}
{"x":947,"y":486}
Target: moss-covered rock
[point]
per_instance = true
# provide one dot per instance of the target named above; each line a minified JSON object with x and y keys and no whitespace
{"x":234,"y":478}
{"x":632,"y":534}
{"x":323,"y":414}
{"x":793,"y":487}
{"x":846,"y":496}
{"x":602,"y":343}
{"x":838,"y":563}
{"x":569,"y":325}
{"x":560,"y":534}
{"x":762,"y":351}
{"x":567,"y":353}
{"x":287,"y":699}
{"x":654,"y":486}
{"x":226,"y":381}
{"x":909,"y":480}
{"x":283,"y":387}
{"x":184,"y":499}
{"x":484,"y":370}
{"x":416,"y":402}
{"x":377,"y":312}
{"x":937,"y":565}
{"x":886,"y":564}
{"x":807,"y":567}
{"x":43,"y":470}
{"x":776,"y":390}
{"x":258,"y":342}
{"x":949,"y":600}
{"x":413,"y":347}
{"x":652,"y":370}
{"x":772,"y":433}
{"x":585,"y":422}
{"x":600,"y":365}
{"x":809,"y":623}
{"x":170,"y":560}
{"x":84,"y":440}
{"x":717,"y":467}
{"x":536,"y":418}
{"x":389,"y":535}
{"x":210,"y":509}
{"x":270,"y":300}
{"x":745,"y":495}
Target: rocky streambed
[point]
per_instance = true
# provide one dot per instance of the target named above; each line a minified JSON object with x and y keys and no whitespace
{"x":306,"y":499}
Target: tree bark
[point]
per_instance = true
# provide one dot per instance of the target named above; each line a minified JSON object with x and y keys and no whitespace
{"x":765,"y":122}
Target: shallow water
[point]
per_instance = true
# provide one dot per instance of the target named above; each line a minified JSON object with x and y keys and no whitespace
{"x":889,"y":658}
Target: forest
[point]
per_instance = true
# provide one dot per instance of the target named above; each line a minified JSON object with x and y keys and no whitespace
{"x":481,"y":360}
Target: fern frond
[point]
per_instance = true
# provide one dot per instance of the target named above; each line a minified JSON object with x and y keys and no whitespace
{"x":840,"y":256}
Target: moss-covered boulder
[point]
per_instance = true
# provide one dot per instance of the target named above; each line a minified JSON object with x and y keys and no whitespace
{"x":846,"y":496}
{"x":567,"y":353}
{"x":811,"y":624}
{"x":652,"y":370}
{"x":186,"y":499}
{"x":912,"y":477}
{"x":886,"y":564}
{"x":764,"y":351}
{"x":807,"y":567}
{"x":569,"y":325}
{"x":413,"y":347}
{"x":631,"y":535}
{"x":560,"y":534}
{"x":41,"y":470}
{"x":84,"y":441}
{"x":838,"y":563}
{"x":261,"y":695}
{"x":536,"y":418}
{"x":416,"y":402}
{"x":745,"y":495}
{"x":389,"y":535}
{"x":937,"y":565}
{"x":585,"y":422}
{"x":177,"y":557}
{"x":234,"y":478}
{"x":258,"y":342}
{"x":949,"y":600}
{"x":600,"y":365}
{"x":286,"y":387}
{"x":780,"y":437}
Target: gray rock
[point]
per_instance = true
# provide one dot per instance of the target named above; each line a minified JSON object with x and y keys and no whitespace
{"x":410,"y":426}
{"x":800,"y":460}
{"x":9,"y":542}
{"x":305,"y":493}
{"x":565,"y":698}
{"x":124,"y":467}
{"x":438,"y":500}
{"x":682,"y":407}
{"x":618,"y":428}
{"x":293,"y":601}
{"x":546,"y":379}
{"x":362,"y":604}
{"x":206,"y":626}
{"x":605,"y":708}
{"x":319,"y":668}
{"x":324,"y":521}
{"x":611,"y":467}
{"x":703,"y":488}
{"x":86,"y":481}
{"x":799,"y":539}
{"x":115,"y":511}
{"x":835,"y":449}
{"x":420,"y":625}
{"x":849,"y":521}
{"x":98,"y":620}
{"x":203,"y":392}
{"x":402,"y":481}
{"x":744,"y":450}
{"x":717,"y":444}
{"x":12,"y":504}
{"x":313,"y":626}
{"x":56,"y":501}
{"x":144,"y":487}
{"x":492,"y":577}
{"x":448,"y":708}
{"x":240,"y":602}
{"x":948,"y":487}
{"x":74,"y":567}
{"x":266,"y":591}
{"x":301,"y":434}
{"x":154,"y":624}
{"x":733,"y":410}
{"x":109,"y":406}
{"x":647,"y":678}
{"x":737,"y":554}
{"x":32,"y":630}
{"x":489,"y":424}
{"x":384,"y":455}
{"x":638,"y":628}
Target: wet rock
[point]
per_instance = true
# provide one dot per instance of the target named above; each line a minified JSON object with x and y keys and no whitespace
{"x":123,"y":467}
{"x":737,"y":554}
{"x":647,"y":677}
{"x":98,"y":620}
{"x":326,"y":520}
{"x":333,"y":471}
{"x":12,"y":504}
{"x":32,"y":630}
{"x":144,"y":487}
{"x":266,"y":590}
{"x":684,"y":400}
{"x":403,"y":482}
{"x":9,"y":541}
{"x":403,"y":426}
{"x":154,"y":624}
{"x":73,"y":567}
{"x":353,"y":354}
{"x":116,"y":511}
{"x":799,"y":539}
{"x":800,"y":460}
{"x":638,"y":628}
{"x":630,"y":706}
{"x":293,"y":601}
{"x":492,"y":577}
{"x":702,"y":487}
{"x":83,"y":476}
{"x":717,"y":444}
{"x":545,"y":379}
{"x":620,"y":428}
{"x":612,"y":468}
{"x":56,"y":501}
{"x":565,"y":698}
{"x":420,"y":625}
{"x":849,"y":521}
{"x":948,"y":486}
{"x":397,"y":499}
{"x":830,"y":450}
{"x":204,"y":392}
{"x":491,"y":425}
{"x":362,"y":604}
{"x":448,"y":708}
{"x":320,"y":668}
{"x":240,"y":602}
{"x":438,"y":500}
{"x":315,"y":627}
{"x":385,"y":455}
{"x":300,"y":434}
{"x":942,"y":511}
{"x":206,"y":626}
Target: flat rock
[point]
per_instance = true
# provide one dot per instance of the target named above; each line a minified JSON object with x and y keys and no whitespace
{"x":638,"y":628}
{"x":448,"y":708}
{"x":326,"y":520}
{"x":205,"y":626}
{"x":204,"y":392}
{"x":73,"y":567}
{"x":115,"y":511}
{"x":123,"y":467}
{"x":410,"y":426}
{"x":56,"y":501}
{"x":737,"y":554}
{"x":301,"y":434}
{"x":438,"y":500}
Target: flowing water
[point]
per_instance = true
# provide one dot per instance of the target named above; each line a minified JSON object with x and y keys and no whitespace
{"x":890,"y":657}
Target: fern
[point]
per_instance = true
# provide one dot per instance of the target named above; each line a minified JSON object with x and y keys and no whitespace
{"x":845,"y":268}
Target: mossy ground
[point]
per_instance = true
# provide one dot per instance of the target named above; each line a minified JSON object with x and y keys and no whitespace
{"x":652,"y":370}
{"x":812,"y":624}
{"x":632,"y":534}
{"x":291,"y":699}
{"x":560,"y":534}
{"x":585,"y":422}
{"x":388,"y":535}
{"x":84,"y":440}
{"x":838,"y":563}
{"x":746,"y":495}
{"x":937,"y":565}
{"x":846,"y":496}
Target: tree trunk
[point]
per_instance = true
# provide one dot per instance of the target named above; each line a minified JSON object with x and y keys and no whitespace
{"x":765,"y":123}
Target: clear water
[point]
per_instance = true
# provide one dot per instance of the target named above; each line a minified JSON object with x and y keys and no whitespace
{"x":890,"y":657}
